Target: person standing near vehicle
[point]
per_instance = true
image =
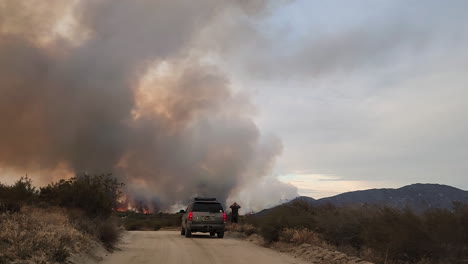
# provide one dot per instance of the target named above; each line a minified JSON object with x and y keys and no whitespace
{"x":235,"y":212}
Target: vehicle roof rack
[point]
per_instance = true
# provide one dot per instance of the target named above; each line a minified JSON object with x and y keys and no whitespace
{"x":205,"y":199}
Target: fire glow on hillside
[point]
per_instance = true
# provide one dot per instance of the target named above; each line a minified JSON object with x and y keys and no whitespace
{"x":126,"y":203}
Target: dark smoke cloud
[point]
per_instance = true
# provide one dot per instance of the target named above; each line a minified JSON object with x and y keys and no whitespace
{"x":84,"y":104}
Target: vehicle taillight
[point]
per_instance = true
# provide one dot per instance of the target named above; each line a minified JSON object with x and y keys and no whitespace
{"x":190,"y":216}
{"x":224,"y":217}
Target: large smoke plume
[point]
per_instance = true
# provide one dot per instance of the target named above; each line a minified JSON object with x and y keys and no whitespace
{"x":97,"y":86}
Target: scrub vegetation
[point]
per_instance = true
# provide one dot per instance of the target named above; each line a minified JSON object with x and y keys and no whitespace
{"x":138,"y":221}
{"x":48,"y":224}
{"x":374,"y":233}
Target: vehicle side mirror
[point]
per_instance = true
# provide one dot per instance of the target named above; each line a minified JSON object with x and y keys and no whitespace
{"x":182,"y":211}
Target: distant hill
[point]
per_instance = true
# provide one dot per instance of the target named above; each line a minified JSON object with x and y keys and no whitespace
{"x":418,"y":197}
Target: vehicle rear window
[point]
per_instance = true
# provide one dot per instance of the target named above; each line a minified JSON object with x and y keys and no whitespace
{"x":208,"y":207}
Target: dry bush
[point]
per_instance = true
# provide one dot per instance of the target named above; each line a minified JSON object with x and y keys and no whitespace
{"x":232,"y":227}
{"x":302,"y":236}
{"x":142,"y":224}
{"x":108,"y":232}
{"x":39,"y":235}
{"x":371,"y":255}
{"x":378,"y":234}
{"x":7,"y":206}
{"x":82,"y":222}
{"x":96,"y":195}
{"x":48,"y":234}
{"x":137,"y":221}
{"x":13,"y":197}
{"x":247,"y":229}
{"x":105,"y":230}
{"x":271,"y":230}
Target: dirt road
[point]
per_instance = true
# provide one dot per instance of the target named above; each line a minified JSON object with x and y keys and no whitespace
{"x":140,"y":247}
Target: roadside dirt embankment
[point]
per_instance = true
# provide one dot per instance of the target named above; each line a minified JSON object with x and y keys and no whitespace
{"x":309,"y":253}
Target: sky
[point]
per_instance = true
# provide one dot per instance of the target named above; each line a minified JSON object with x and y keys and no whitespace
{"x":363,"y":94}
{"x":249,"y":100}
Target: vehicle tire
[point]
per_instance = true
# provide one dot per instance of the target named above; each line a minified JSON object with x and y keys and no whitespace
{"x":188,"y":233}
{"x":220,"y":234}
{"x":182,"y":231}
{"x":212,"y":233}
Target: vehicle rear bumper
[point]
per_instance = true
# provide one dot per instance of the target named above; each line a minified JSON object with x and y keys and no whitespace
{"x":205,"y":227}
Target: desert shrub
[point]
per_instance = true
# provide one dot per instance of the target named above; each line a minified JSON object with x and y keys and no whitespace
{"x":287,"y":235}
{"x":248,"y":229}
{"x":137,"y":221}
{"x":232,"y":227}
{"x":342,"y":226}
{"x":271,"y":228}
{"x":7,"y":206}
{"x":108,"y":233}
{"x":96,"y":195}
{"x":142,"y":224}
{"x":378,"y":234}
{"x":39,"y":236}
{"x":398,"y":235}
{"x":133,"y":225}
{"x":298,"y":214}
{"x":60,"y":254}
{"x":82,"y":222}
{"x":444,"y":230}
{"x":448,"y":232}
{"x":13,"y":197}
{"x":4,"y":259}
{"x":47,"y":225}
{"x":22,"y":190}
{"x":105,"y":230}
{"x":301,"y":236}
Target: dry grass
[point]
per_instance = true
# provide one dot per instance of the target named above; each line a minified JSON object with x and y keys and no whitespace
{"x":247,"y":229}
{"x":39,"y":236}
{"x":302,"y":236}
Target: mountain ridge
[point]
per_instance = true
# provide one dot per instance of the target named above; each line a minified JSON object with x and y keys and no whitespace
{"x":418,"y":197}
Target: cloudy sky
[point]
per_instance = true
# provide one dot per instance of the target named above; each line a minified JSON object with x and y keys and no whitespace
{"x":248,"y":100}
{"x":363,"y":94}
